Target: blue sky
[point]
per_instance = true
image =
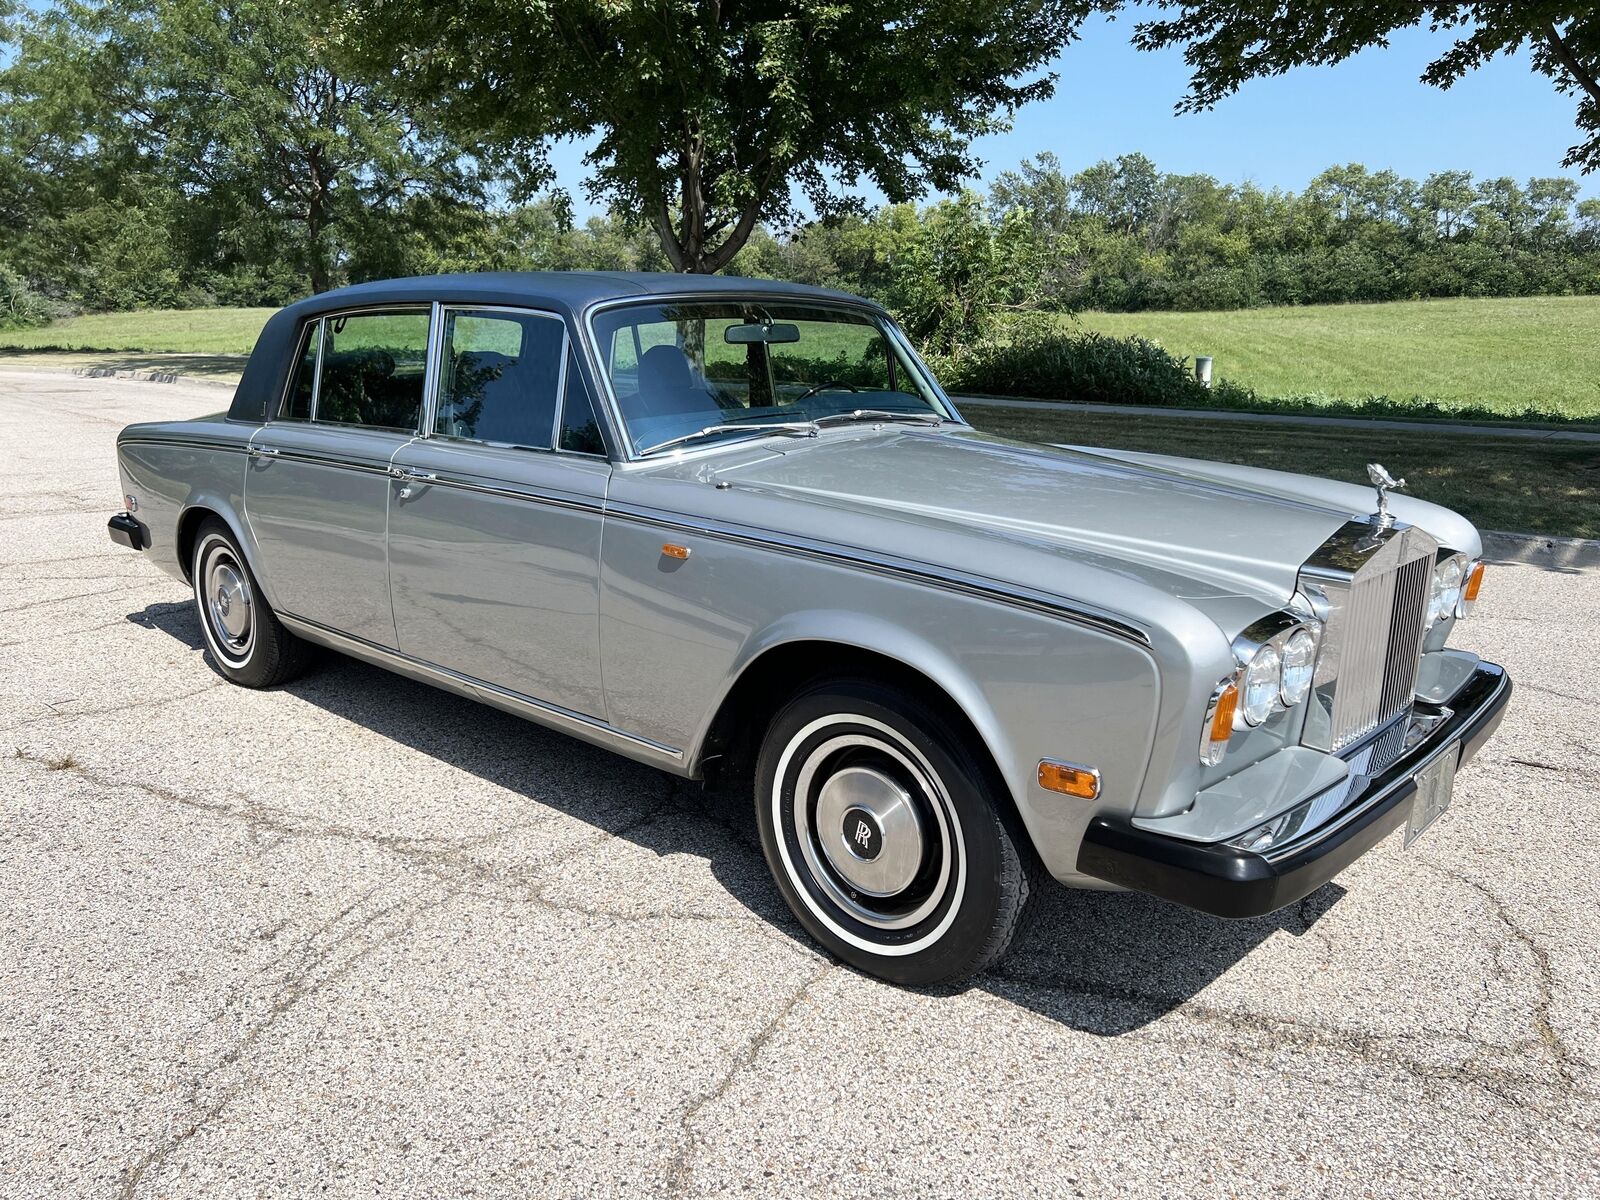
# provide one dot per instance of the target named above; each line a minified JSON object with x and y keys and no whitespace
{"x":1110,"y":99}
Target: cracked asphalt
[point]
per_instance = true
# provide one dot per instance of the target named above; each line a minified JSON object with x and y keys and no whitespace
{"x":358,"y":937}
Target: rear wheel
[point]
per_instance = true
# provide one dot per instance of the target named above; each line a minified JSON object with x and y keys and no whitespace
{"x":248,"y":643}
{"x":876,"y":819}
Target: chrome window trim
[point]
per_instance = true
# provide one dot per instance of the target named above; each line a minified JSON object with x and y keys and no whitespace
{"x":434,"y":370}
{"x":541,"y":710}
{"x":316,"y":370}
{"x":944,"y":579}
{"x":301,"y":346}
{"x":321,"y":320}
{"x":614,"y":408}
{"x":436,"y":384}
{"x":567,"y":374}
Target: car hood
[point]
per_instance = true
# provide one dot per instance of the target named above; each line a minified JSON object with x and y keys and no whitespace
{"x":1169,"y":516}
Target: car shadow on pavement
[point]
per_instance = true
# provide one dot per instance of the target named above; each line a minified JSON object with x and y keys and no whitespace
{"x":1100,"y":962}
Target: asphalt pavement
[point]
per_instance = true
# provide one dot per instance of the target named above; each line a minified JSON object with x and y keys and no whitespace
{"x":360,"y":937}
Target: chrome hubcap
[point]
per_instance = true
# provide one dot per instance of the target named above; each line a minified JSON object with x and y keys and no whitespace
{"x":870,"y":831}
{"x":873,"y":827}
{"x":228,"y":595}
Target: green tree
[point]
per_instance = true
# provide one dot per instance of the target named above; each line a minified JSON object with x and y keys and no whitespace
{"x":1229,"y":42}
{"x":231,"y":108}
{"x":709,"y":118}
{"x":959,"y":270}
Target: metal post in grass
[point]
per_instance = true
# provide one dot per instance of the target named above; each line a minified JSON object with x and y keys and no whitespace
{"x":1202,"y":369}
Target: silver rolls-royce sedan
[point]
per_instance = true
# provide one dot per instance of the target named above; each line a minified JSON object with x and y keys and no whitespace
{"x":735,"y":530}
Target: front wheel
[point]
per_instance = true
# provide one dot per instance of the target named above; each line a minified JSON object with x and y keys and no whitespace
{"x":247,"y":641}
{"x":876,"y":819}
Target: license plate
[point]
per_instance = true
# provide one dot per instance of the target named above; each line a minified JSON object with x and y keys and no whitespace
{"x":1435,"y":782}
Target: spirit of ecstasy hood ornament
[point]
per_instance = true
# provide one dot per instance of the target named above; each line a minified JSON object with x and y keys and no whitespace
{"x":1383,"y":481}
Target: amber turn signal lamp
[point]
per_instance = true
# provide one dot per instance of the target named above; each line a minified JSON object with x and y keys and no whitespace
{"x":1222,"y":718}
{"x":673,"y":550}
{"x":1069,"y":779}
{"x":1474,"y":582}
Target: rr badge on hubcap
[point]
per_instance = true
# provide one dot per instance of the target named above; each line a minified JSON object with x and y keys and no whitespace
{"x":862,"y":837}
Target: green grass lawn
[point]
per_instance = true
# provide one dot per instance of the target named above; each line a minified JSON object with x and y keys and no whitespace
{"x":1508,"y":355}
{"x":182,"y":331}
{"x":1497,"y":483}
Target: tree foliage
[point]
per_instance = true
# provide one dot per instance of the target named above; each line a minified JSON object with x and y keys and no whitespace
{"x":1229,"y":42}
{"x":147,"y":138}
{"x":708,"y":119}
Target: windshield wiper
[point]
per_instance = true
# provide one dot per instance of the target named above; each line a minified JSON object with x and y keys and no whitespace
{"x":880,"y":414}
{"x":791,"y":428}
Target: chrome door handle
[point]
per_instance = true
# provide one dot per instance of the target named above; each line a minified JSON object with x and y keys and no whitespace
{"x":264,"y":452}
{"x":410,"y":480}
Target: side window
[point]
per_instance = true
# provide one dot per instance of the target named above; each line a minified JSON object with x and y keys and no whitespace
{"x":499,"y":377}
{"x":372,"y":369}
{"x":580,"y":432}
{"x":297,"y":404}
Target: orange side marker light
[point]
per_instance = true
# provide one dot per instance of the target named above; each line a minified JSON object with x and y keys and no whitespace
{"x":1069,"y":779}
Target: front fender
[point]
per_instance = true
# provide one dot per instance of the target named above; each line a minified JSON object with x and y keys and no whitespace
{"x":1031,"y":686}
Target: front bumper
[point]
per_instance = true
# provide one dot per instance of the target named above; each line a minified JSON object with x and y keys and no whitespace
{"x":1230,"y":882}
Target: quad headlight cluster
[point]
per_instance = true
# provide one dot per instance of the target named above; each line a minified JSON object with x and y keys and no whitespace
{"x":1277,"y":658}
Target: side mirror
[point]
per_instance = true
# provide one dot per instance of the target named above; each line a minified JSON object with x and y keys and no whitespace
{"x":752,"y":333}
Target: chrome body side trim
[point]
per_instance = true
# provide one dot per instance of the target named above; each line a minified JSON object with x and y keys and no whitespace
{"x":552,"y":715}
{"x":945,"y":579}
{"x":323,"y":460}
{"x":188,"y":443}
{"x":503,"y":491}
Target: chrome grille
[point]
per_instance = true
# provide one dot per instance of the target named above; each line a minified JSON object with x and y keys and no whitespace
{"x":1382,"y":638}
{"x":1373,"y":588}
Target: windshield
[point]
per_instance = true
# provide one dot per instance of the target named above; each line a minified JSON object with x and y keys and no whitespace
{"x":695,"y":373}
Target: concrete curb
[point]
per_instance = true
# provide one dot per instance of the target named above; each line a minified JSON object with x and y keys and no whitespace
{"x":1210,"y":414}
{"x":1539,"y":550}
{"x":147,"y":376}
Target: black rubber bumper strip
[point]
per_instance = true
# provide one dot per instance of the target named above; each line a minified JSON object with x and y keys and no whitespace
{"x":127,"y":530}
{"x":1229,"y":882}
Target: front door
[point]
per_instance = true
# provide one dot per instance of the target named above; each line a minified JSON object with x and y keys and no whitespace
{"x":317,"y":489}
{"x":494,"y":522}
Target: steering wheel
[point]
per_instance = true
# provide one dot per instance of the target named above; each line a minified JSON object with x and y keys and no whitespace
{"x":827,"y":385}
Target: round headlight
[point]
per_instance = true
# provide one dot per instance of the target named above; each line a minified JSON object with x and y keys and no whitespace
{"x":1261,"y":685}
{"x":1299,"y":659}
{"x":1446,"y":590}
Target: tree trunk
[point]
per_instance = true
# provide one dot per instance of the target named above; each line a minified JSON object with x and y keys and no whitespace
{"x":687,"y":242}
{"x":316,"y":222}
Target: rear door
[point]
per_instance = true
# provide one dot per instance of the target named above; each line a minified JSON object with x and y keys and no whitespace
{"x":495,"y":520}
{"x":317,"y":487}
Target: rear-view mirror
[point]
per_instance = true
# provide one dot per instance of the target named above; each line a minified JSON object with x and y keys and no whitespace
{"x":753,"y":332}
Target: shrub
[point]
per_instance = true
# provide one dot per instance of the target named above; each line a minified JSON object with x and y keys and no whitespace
{"x":20,"y":306}
{"x":1049,"y":364}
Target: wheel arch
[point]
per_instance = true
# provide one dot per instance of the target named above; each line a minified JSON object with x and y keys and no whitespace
{"x":194,"y":514}
{"x":779,"y":666}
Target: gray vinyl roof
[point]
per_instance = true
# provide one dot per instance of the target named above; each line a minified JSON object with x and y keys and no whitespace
{"x":571,"y":290}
